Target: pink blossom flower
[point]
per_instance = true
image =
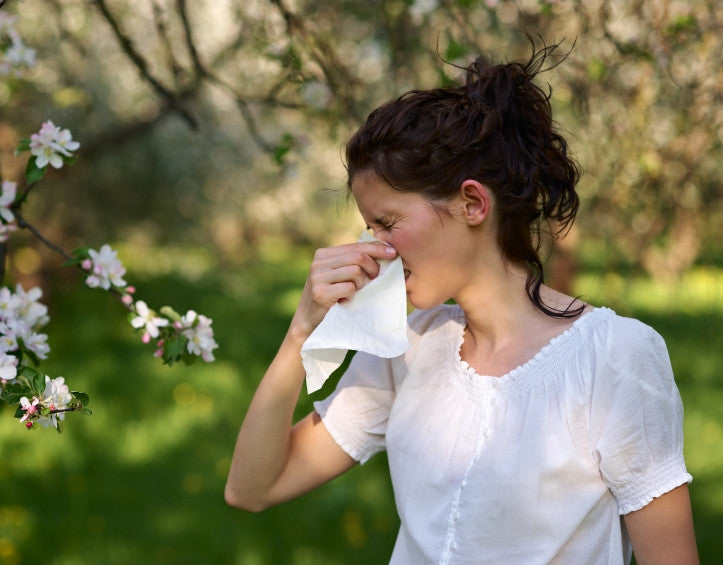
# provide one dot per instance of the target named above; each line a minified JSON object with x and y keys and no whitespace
{"x":50,"y":144}
{"x":107,"y":269}
{"x":29,"y":407}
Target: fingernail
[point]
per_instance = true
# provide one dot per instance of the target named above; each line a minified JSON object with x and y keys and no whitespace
{"x":391,"y":251}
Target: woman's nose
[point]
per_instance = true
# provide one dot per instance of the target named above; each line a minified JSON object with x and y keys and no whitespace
{"x":382,"y":236}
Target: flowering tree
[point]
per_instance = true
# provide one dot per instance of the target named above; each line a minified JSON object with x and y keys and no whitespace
{"x":38,"y":397}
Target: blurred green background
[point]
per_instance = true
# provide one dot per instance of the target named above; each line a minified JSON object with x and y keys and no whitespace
{"x":211,"y":137}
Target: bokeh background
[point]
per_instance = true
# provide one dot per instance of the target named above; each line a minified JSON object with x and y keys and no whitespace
{"x":211,"y":140}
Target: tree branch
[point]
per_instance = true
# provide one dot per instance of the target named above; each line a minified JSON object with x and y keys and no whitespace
{"x":338,"y":77}
{"x":22,"y":223}
{"x":142,"y":66}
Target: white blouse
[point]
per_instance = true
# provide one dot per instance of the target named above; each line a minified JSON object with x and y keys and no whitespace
{"x":536,"y":466}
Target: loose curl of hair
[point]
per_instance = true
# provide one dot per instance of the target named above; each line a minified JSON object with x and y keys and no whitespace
{"x":497,"y":129}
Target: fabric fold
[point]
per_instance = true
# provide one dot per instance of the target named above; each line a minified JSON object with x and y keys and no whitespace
{"x":373,"y":321}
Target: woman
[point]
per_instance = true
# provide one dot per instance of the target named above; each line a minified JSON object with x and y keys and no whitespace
{"x":522,"y":424}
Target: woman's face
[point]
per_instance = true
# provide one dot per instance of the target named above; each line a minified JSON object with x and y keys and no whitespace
{"x":434,"y":246}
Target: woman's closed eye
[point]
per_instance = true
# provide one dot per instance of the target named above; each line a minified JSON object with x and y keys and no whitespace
{"x":384,"y":223}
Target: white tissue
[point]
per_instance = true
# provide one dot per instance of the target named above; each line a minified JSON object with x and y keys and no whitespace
{"x":373,"y":321}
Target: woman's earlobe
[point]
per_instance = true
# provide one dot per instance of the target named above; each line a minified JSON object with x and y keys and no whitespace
{"x":477,"y":201}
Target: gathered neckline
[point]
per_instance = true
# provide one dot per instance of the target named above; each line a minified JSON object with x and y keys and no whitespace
{"x":542,"y":354}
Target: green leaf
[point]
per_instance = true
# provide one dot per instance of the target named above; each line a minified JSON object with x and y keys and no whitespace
{"x":72,"y":262}
{"x":69,"y":160}
{"x":286,"y":145}
{"x":455,"y":50}
{"x":39,"y":383}
{"x":170,"y":313}
{"x":23,"y":145}
{"x":682,"y":24}
{"x":81,"y":252}
{"x":32,"y":173}
{"x":81,"y":397}
{"x":189,"y":359}
{"x":28,"y":373}
{"x":13,"y":392}
{"x":174,"y":348}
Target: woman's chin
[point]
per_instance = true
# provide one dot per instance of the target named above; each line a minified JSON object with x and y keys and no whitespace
{"x":421,"y":302}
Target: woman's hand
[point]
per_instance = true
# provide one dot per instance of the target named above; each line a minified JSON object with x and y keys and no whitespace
{"x":273,"y":462}
{"x":335,"y":275}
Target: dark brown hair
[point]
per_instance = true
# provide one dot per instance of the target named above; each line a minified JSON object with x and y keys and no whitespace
{"x":497,"y":129}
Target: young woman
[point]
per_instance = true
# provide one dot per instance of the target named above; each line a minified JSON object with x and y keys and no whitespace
{"x":522,"y":425}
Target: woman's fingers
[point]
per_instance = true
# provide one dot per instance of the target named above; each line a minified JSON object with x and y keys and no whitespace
{"x":361,"y":256}
{"x":335,"y":275}
{"x":338,"y":272}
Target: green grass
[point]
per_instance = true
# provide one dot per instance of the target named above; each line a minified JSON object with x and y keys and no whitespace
{"x":141,"y":480}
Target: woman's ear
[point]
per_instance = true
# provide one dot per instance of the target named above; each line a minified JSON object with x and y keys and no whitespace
{"x":476,"y":201}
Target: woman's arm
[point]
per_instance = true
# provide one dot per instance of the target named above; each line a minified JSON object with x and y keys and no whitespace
{"x":274,"y":461}
{"x":662,"y":532}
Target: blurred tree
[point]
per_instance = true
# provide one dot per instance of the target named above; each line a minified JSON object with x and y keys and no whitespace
{"x":222,"y":121}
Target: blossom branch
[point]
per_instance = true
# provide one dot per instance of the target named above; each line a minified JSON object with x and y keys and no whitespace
{"x":23,"y":223}
{"x":38,"y":397}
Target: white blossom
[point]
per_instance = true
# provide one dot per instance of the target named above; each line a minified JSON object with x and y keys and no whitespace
{"x":56,"y":396}
{"x":7,"y":197}
{"x":199,"y":334}
{"x":106,"y":269}
{"x":8,"y":338}
{"x":8,"y":367}
{"x":50,"y":144}
{"x":147,"y":319}
{"x":19,"y":55}
{"x":21,"y":315}
{"x":27,"y":307}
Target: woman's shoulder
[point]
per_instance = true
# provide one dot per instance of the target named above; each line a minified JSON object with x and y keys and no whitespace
{"x":616,"y":331}
{"x":619,"y":347}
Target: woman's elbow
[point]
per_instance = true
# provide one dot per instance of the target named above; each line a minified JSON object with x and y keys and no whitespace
{"x":243,"y":502}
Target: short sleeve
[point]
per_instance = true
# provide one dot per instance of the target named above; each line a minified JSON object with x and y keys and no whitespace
{"x":636,"y":416}
{"x":356,"y":413}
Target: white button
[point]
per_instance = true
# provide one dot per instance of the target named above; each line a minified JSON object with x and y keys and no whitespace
{"x":454,"y":546}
